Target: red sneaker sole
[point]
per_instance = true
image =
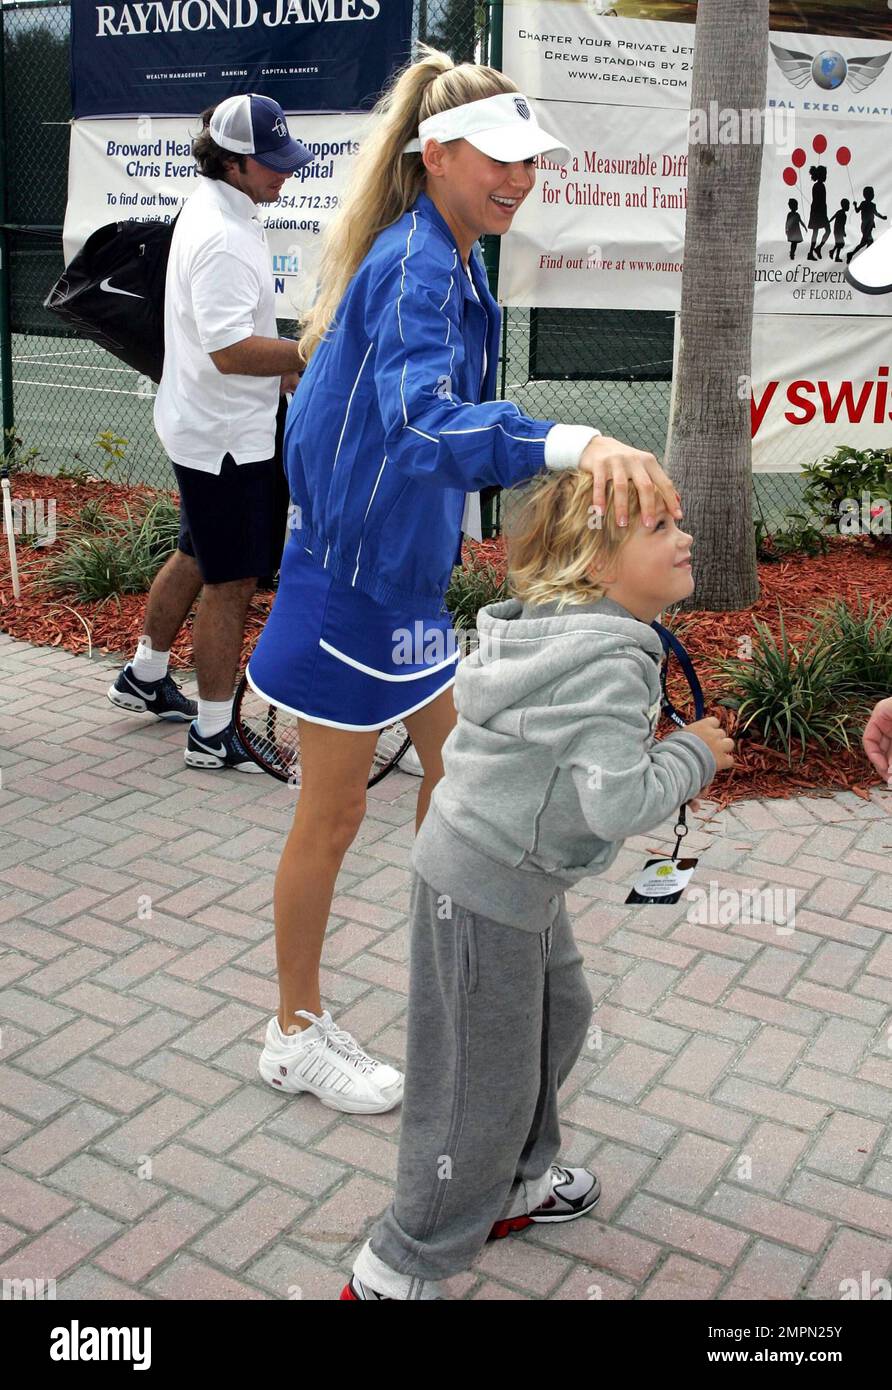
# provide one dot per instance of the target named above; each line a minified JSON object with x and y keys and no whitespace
{"x":505,"y":1228}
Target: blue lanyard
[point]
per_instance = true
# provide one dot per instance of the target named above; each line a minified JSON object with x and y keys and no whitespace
{"x":672,"y":646}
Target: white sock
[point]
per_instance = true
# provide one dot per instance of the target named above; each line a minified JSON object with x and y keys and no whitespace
{"x":213,"y":716}
{"x":379,"y":1276}
{"x":148,"y":663}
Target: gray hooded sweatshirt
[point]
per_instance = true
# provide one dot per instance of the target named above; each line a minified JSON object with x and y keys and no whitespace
{"x":553,"y":761}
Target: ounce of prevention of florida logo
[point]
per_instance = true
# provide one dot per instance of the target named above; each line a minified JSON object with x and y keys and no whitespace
{"x":522,"y":108}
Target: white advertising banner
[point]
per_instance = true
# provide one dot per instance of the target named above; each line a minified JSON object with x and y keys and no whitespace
{"x":570,"y":50}
{"x":608,"y":230}
{"x":142,"y":168}
{"x":815,"y":390}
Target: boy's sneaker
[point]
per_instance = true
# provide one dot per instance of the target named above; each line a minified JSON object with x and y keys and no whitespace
{"x":356,"y":1290}
{"x":218,"y":750}
{"x":163,"y":698}
{"x":574,"y":1191}
{"x":330,"y":1064}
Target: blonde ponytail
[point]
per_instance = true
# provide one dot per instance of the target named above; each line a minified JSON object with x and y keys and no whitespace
{"x":385,"y":182}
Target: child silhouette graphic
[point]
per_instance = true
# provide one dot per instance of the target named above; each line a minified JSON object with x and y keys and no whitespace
{"x":839,"y":230}
{"x":817,"y":220}
{"x":795,"y":227}
{"x":869,"y":215}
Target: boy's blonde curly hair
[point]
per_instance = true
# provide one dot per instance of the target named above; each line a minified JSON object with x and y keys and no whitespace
{"x":557,"y":548}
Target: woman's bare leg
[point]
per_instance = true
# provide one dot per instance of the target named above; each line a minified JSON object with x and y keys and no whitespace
{"x":335,"y":766}
{"x":429,"y":728}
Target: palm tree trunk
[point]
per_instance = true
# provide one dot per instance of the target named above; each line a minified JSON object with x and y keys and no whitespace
{"x":710,"y":450}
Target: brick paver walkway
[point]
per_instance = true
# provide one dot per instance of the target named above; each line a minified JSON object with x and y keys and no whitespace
{"x":734,"y":1098}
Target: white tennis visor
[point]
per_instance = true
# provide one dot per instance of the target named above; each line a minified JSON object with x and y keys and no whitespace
{"x":871,"y":270}
{"x":503,"y":126}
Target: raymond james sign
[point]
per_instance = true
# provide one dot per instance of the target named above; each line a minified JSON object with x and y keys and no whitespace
{"x":175,"y":57}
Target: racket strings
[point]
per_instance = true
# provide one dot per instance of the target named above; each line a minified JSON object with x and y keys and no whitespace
{"x":272,"y":737}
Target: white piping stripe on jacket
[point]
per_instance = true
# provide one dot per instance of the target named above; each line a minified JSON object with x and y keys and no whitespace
{"x":477,"y":297}
{"x":367,"y":510}
{"x":481,"y":429}
{"x":403,"y":275}
{"x":449,"y":322}
{"x":431,"y":438}
{"x":449,"y":291}
{"x":344,"y":426}
{"x":385,"y":675}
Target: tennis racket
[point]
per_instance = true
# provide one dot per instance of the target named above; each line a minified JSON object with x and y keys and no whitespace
{"x":272,"y":738}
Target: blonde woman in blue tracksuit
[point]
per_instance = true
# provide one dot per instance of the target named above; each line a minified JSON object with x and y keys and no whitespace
{"x":390,"y":435}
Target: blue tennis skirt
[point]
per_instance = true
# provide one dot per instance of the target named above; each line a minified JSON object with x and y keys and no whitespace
{"x":332,"y":655}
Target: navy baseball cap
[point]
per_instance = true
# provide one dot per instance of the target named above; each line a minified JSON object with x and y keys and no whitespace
{"x":255,"y":125}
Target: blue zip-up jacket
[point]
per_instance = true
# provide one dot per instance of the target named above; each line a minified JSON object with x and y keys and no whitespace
{"x":385,"y":433}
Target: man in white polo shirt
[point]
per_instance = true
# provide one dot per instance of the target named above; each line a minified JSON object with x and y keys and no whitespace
{"x":215,"y":413}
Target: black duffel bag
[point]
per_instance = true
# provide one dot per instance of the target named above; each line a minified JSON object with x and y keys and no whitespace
{"x":113,"y":292}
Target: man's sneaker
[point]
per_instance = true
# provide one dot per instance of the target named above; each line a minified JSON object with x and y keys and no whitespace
{"x":330,"y":1064}
{"x":574,"y":1191}
{"x":218,"y":750}
{"x":356,"y":1290}
{"x":162,"y":698}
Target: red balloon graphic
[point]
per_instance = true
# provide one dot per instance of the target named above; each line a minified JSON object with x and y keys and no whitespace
{"x":790,"y":177}
{"x":819,"y":144}
{"x":844,"y":156}
{"x":799,"y":158}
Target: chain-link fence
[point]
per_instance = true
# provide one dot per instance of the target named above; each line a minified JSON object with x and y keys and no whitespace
{"x":608,"y":368}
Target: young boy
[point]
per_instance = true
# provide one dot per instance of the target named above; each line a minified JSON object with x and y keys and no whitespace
{"x":552,"y":763}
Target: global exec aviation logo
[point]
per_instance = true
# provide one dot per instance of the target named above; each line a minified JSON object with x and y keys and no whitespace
{"x":77,"y":1343}
{"x":829,"y":70}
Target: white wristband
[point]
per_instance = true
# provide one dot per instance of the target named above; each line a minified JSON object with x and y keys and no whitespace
{"x":565,"y":444}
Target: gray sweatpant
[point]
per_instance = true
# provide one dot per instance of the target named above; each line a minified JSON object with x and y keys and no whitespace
{"x":497,"y":1017}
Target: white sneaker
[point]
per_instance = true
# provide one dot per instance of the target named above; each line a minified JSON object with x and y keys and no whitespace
{"x":411,"y":763}
{"x":330,"y":1064}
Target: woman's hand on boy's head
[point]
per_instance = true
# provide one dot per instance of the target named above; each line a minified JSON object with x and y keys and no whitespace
{"x":609,"y":460}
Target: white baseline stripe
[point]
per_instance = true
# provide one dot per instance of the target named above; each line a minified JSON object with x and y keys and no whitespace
{"x":62,"y":386}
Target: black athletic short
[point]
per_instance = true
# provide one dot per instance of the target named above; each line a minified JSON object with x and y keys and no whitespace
{"x":233,"y":522}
